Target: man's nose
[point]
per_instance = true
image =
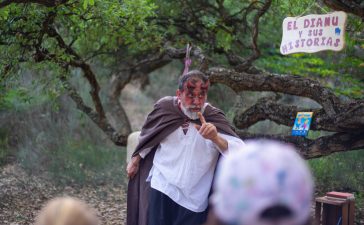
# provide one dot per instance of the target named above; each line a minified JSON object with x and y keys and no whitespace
{"x":196,"y":100}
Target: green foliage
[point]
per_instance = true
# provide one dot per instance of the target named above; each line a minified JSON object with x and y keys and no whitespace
{"x":295,"y":8}
{"x":339,"y":171}
{"x":110,"y":31}
{"x":209,"y":21}
{"x":224,"y":39}
{"x":103,"y":33}
{"x":344,"y":76}
{"x":97,"y":31}
{"x":63,"y":145}
{"x":91,"y":28}
{"x":88,"y":2}
{"x":15,"y":97}
{"x":337,"y":76}
{"x":79,"y":162}
{"x":52,"y":136}
{"x":31,"y":88}
{"x":95,"y":163}
{"x":205,"y":25}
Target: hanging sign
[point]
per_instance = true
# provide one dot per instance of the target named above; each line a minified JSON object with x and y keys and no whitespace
{"x":302,"y":124}
{"x":313,"y":33}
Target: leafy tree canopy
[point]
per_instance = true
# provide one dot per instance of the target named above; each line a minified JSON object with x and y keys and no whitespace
{"x":234,"y":42}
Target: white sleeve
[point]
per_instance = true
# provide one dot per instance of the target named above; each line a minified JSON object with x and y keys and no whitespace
{"x":144,"y":152}
{"x":234,"y":144}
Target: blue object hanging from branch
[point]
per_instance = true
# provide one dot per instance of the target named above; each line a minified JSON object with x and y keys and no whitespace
{"x":302,"y":124}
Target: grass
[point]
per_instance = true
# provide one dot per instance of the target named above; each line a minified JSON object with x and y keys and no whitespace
{"x":75,"y":161}
{"x":342,"y":172}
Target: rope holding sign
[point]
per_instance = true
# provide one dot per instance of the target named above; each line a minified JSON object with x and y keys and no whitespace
{"x":188,"y":60}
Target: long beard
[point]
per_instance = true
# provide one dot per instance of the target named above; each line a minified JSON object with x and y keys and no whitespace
{"x":189,"y":114}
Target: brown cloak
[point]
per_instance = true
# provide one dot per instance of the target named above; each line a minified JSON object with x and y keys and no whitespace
{"x":163,"y":120}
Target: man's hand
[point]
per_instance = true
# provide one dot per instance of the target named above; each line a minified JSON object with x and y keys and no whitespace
{"x":209,"y":131}
{"x":133,"y":166}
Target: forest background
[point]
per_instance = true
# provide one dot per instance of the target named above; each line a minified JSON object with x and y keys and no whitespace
{"x":78,"y":76}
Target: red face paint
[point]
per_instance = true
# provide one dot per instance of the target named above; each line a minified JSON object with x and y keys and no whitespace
{"x":194,"y":94}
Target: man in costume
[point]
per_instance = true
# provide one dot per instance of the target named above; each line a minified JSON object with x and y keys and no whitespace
{"x":173,"y":166}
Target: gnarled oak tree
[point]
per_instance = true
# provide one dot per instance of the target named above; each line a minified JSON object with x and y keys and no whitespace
{"x":137,"y":37}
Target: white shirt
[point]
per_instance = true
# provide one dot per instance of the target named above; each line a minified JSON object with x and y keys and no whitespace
{"x":184,"y":165}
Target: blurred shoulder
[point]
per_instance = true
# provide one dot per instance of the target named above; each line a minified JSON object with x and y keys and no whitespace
{"x":166,"y":100}
{"x":212,"y":109}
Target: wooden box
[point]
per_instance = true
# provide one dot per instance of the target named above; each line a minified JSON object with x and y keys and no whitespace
{"x":335,"y":208}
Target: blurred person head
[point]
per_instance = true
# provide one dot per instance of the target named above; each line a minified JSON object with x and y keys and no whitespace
{"x":66,"y":211}
{"x":265,"y":183}
{"x":192,"y":92}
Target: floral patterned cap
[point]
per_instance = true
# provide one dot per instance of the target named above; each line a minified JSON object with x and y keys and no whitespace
{"x":262,"y":175}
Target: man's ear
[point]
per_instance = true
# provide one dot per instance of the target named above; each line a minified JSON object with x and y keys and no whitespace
{"x":178,"y":93}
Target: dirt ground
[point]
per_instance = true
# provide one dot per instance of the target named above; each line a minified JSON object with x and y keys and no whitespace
{"x":22,"y":196}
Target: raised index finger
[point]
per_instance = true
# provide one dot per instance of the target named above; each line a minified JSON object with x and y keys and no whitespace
{"x":202,"y":119}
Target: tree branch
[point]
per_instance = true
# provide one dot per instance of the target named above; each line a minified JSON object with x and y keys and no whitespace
{"x":256,"y":53}
{"x":242,"y":64}
{"x":323,"y":146}
{"x":118,"y":138}
{"x":117,"y":111}
{"x":348,"y":6}
{"x":47,"y":3}
{"x":350,"y":118}
{"x":288,"y":84}
{"x":87,"y":71}
{"x":98,"y":116}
